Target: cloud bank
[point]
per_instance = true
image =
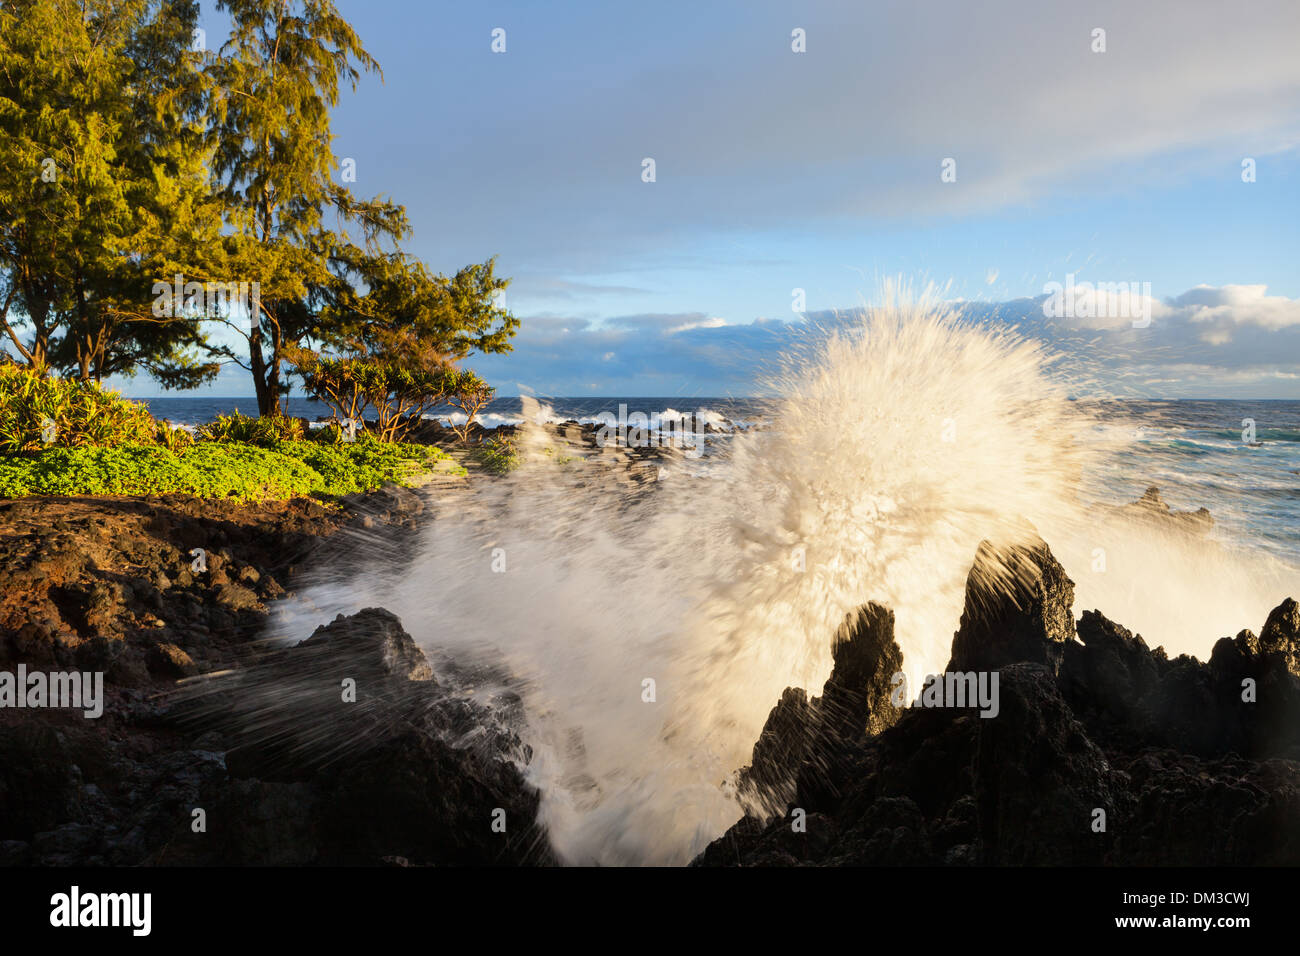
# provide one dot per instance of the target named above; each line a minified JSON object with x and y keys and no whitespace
{"x":1229,"y":341}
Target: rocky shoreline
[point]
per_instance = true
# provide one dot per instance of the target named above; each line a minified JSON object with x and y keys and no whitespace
{"x":1103,"y":751}
{"x":112,"y":585}
{"x":352,"y":747}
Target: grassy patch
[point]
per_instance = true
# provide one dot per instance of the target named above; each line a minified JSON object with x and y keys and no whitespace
{"x":217,"y":469}
{"x":366,"y":463}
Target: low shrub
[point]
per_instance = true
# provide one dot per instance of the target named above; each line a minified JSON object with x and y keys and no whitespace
{"x":61,"y":437}
{"x":174,"y":439}
{"x":38,"y":412}
{"x":367,"y":463}
{"x":265,"y":432}
{"x":500,"y":455}
{"x":206,"y":470}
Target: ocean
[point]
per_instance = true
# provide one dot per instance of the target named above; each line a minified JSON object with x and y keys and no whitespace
{"x":500,"y":411}
{"x":1200,"y":453}
{"x":1240,"y":459}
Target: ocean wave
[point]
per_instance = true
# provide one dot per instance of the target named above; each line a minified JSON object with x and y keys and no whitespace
{"x":547,"y":415}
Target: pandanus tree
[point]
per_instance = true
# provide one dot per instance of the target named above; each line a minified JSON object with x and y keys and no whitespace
{"x":397,"y":335}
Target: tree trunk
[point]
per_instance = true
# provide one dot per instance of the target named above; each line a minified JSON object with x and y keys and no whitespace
{"x":257,"y":365}
{"x":271,"y":405}
{"x":273,"y":371}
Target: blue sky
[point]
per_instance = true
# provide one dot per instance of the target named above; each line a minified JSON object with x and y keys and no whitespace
{"x":820,"y":171}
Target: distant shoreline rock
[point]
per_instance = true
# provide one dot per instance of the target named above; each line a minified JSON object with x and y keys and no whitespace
{"x":1152,"y":509}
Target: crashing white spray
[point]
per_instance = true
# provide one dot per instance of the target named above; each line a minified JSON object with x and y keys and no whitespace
{"x":902,"y":441}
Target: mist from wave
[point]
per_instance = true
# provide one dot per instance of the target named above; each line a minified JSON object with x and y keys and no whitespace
{"x":651,"y":633}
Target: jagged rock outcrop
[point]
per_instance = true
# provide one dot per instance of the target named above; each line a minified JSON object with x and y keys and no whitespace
{"x":1102,"y":750}
{"x":1038,"y":778}
{"x":1280,"y":638}
{"x":1018,"y":601}
{"x":857,"y":696}
{"x":802,"y":737}
{"x":1245,"y":700}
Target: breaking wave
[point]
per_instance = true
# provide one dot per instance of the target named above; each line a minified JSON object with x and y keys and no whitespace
{"x":651,"y":630}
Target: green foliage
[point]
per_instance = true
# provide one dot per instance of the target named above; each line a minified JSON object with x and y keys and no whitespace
{"x":216,"y":470}
{"x":332,"y":434}
{"x":470,"y":394}
{"x":128,"y":159}
{"x":207,"y":470}
{"x":106,"y":445}
{"x":267,"y":431}
{"x":103,"y":184}
{"x":367,"y":463}
{"x":558,"y":458}
{"x":500,"y":455}
{"x":338,"y":383}
{"x":174,"y":439}
{"x":275,"y":83}
{"x":394,"y":348}
{"x":398,"y":393}
{"x":73,"y":414}
{"x":398,"y":390}
{"x":451,"y":316}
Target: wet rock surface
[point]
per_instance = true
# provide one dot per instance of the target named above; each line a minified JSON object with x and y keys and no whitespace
{"x":289,"y":765}
{"x":1017,"y":608}
{"x":807,"y":740}
{"x":383,"y":758}
{"x":284,"y":762}
{"x":1102,"y":751}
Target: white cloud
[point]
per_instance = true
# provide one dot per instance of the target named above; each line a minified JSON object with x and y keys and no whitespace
{"x":698,"y":354}
{"x":1224,"y":308}
{"x":1232,"y":340}
{"x":711,"y":323}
